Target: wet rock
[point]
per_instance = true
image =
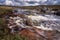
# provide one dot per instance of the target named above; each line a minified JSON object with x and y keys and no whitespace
{"x":37,"y":34}
{"x":42,"y":27}
{"x":31,"y":35}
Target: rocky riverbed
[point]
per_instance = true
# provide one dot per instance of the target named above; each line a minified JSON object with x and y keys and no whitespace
{"x":44,"y":27}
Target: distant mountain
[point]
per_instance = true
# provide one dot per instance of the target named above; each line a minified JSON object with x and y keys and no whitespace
{"x":29,"y":2}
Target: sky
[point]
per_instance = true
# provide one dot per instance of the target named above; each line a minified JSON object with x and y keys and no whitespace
{"x":29,"y":2}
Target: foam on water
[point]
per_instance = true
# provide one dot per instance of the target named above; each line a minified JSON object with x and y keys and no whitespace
{"x":48,"y":22}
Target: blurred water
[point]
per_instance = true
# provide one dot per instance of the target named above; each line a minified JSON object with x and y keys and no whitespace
{"x":42,"y":21}
{"x":47,"y":22}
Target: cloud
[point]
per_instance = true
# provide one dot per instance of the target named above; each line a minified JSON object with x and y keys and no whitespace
{"x":29,"y":2}
{"x":8,"y":2}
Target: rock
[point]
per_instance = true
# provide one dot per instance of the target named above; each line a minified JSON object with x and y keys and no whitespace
{"x":30,"y":35}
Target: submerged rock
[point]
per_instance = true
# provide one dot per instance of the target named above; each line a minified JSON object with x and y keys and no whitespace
{"x":37,"y":34}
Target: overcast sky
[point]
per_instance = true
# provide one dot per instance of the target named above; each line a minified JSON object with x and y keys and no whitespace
{"x":29,"y":2}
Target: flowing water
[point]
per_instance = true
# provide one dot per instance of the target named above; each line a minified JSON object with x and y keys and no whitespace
{"x":44,"y":22}
{"x":47,"y":22}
